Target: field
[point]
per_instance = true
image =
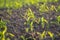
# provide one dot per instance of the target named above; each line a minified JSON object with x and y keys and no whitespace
{"x":29,"y":19}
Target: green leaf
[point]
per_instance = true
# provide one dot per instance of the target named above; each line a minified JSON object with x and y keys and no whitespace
{"x":58,"y":18}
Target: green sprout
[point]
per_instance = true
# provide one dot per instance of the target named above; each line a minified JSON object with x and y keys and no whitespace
{"x":43,"y":8}
{"x":58,"y":8}
{"x":3,"y":30}
{"x":22,"y":37}
{"x":44,"y":33}
{"x":43,"y":21}
{"x":30,"y":19}
{"x":27,"y":30}
{"x":31,"y":26}
{"x":37,"y":20}
{"x":51,"y":34}
{"x":30,"y":14}
{"x":58,"y":19}
{"x":53,"y":8}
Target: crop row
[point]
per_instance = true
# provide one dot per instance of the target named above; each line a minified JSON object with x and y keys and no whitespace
{"x":20,"y":3}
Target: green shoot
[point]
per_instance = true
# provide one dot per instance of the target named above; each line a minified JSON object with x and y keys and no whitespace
{"x":51,"y":34}
{"x":30,"y":19}
{"x":2,"y":32}
{"x":43,"y":8}
{"x":43,"y":21}
{"x":30,"y":13}
{"x":12,"y":35}
{"x":22,"y":37}
{"x":27,"y":29}
{"x":31,"y":26}
{"x":43,"y":34}
{"x":52,"y":8}
{"x":58,"y":19}
{"x":58,"y":9}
